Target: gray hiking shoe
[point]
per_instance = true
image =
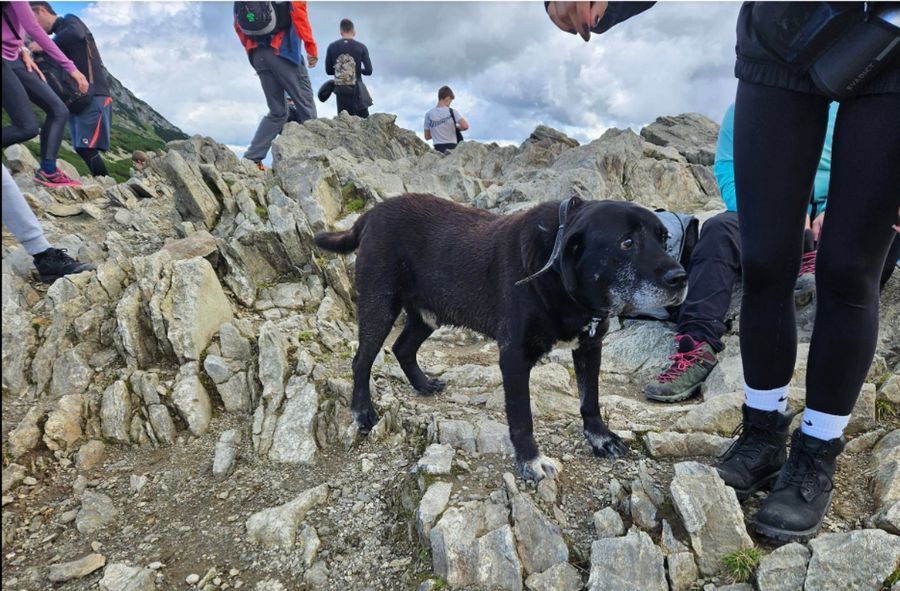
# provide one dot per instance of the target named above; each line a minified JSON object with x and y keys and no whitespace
{"x":690,"y":367}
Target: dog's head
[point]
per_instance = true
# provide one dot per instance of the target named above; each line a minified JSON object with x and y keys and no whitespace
{"x":614,"y":258}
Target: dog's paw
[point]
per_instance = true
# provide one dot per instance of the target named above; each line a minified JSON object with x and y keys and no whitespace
{"x":539,"y":468}
{"x":606,"y":445}
{"x":365,"y":419}
{"x":431,"y":387}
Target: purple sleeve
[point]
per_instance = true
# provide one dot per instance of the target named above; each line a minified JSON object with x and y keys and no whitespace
{"x":23,"y":13}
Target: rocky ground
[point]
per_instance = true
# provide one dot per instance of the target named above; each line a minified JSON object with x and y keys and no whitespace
{"x":178,"y":419}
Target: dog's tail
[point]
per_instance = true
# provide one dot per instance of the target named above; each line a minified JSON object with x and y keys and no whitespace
{"x":340,"y":242}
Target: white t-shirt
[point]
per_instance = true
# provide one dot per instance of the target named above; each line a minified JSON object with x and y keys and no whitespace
{"x":440,"y":123}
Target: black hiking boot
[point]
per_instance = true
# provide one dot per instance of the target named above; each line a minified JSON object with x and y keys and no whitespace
{"x":794,"y":510}
{"x":53,"y":263}
{"x":753,"y":461}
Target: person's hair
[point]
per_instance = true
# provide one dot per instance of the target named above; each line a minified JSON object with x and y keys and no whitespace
{"x":445,"y":92}
{"x":346,"y":25}
{"x":138,"y":156}
{"x":45,"y":5}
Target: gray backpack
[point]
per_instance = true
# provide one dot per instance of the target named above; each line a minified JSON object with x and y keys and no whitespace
{"x":344,"y":74}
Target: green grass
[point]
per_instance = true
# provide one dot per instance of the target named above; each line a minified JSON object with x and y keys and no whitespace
{"x":262,"y":212}
{"x":892,"y":579}
{"x":355,"y":205}
{"x":885,"y":410}
{"x":306,"y":336}
{"x":740,"y":565}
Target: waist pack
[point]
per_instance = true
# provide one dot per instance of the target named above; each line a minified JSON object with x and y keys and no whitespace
{"x":259,"y":19}
{"x":684,"y":231}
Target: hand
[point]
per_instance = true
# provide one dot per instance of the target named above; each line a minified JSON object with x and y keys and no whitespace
{"x":31,"y":66}
{"x":312,"y":60}
{"x":817,"y":227}
{"x":35,"y":48}
{"x":577,"y":17}
{"x":79,"y":79}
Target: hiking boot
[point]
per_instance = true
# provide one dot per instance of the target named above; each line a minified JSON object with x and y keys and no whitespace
{"x":690,"y":367}
{"x":54,"y":179}
{"x":754,"y":460}
{"x":259,"y":165}
{"x":53,"y":263}
{"x":796,"y":507}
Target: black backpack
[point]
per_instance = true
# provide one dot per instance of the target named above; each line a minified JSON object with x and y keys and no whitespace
{"x":259,"y":19}
{"x":59,"y":80}
{"x":459,"y":135}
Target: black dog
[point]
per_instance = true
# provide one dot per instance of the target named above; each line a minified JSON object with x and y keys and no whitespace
{"x":528,"y":280}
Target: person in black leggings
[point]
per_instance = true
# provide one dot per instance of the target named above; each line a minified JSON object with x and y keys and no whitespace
{"x":780,"y":122}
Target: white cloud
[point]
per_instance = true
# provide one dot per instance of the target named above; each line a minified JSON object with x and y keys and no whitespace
{"x":510,"y":68}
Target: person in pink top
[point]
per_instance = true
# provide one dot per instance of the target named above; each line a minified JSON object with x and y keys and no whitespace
{"x":23,"y":84}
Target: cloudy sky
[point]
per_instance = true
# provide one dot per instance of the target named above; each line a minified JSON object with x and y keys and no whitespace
{"x":510,"y":68}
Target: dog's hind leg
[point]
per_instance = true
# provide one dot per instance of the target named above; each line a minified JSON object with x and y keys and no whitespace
{"x":405,"y":348}
{"x":376,"y":310}
{"x":603,"y":442}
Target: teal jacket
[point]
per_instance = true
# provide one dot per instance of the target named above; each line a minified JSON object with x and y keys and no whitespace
{"x":724,"y":166}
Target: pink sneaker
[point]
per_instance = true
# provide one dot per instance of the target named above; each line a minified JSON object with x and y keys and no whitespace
{"x":55,"y":179}
{"x":808,"y":264}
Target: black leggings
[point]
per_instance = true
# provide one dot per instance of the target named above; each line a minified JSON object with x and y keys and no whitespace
{"x":94,"y":161}
{"x":778,"y":140}
{"x":20,"y":89}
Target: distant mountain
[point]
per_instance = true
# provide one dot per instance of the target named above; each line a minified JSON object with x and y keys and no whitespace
{"x":136,"y":126}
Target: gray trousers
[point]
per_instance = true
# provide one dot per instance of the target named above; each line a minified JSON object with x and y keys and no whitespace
{"x":279,"y":77}
{"x":18,"y":217}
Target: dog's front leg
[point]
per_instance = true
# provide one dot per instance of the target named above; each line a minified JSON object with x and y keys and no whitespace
{"x":604,"y":442}
{"x":516,"y":370}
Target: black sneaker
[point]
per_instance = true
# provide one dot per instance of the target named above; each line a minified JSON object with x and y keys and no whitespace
{"x":53,"y":263}
{"x":753,"y":461}
{"x":796,"y":507}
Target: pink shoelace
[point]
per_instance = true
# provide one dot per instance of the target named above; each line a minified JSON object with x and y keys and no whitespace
{"x":681,"y":362}
{"x":808,"y":263}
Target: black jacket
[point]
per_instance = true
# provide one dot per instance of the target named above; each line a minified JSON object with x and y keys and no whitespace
{"x":756,"y":64}
{"x":72,"y":36}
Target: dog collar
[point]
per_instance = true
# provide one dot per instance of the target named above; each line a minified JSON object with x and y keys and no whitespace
{"x":557,"y":245}
{"x":591,"y":327}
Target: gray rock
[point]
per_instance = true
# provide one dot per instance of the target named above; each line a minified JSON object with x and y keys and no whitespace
{"x":161,"y":423}
{"x":539,"y":540}
{"x":629,"y":563}
{"x":63,"y":426}
{"x":217,"y":368}
{"x":433,"y":503}
{"x":90,"y":455}
{"x":682,"y":570}
{"x":66,"y":571}
{"x":437,"y":459}
{"x":637,"y":349}
{"x":13,"y":474}
{"x":860,"y":559}
{"x":195,"y":307}
{"x":710,"y":512}
{"x":277,"y":527}
{"x":668,"y":542}
{"x":559,"y":577}
{"x":886,"y":463}
{"x":459,"y":434}
{"x":96,"y":512}
{"x":890,"y":390}
{"x":27,"y":434}
{"x":226,"y":453}
{"x":233,"y":344}
{"x":294,"y":441}
{"x":456,"y":553}
{"x":309,"y":544}
{"x":784,"y":569}
{"x":643,"y":511}
{"x":115,"y":412}
{"x":720,"y":415}
{"x":121,"y":577}
{"x":608,"y":523}
{"x":888,"y":518}
{"x":20,"y":159}
{"x":497,"y":566}
{"x":193,"y":198}
{"x":692,"y":134}
{"x":191,"y":399}
{"x":493,"y":438}
{"x":669,"y":444}
{"x":236,"y":393}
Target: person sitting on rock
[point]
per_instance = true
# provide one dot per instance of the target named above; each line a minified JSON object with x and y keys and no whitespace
{"x":715,"y":265}
{"x":443,"y":123}
{"x":348,"y":61}
{"x":51,"y":263}
{"x":138,"y":163}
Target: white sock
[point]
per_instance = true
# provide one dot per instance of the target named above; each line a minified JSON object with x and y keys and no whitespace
{"x":767,"y":400}
{"x":823,"y":425}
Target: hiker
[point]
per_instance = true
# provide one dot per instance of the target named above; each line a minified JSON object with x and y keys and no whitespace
{"x":24,"y":84}
{"x":443,"y":123}
{"x":715,"y":265}
{"x":348,"y":61}
{"x":90,"y":127}
{"x":271,"y":37}
{"x":51,"y":263}
{"x":138,"y":163}
{"x":780,"y":121}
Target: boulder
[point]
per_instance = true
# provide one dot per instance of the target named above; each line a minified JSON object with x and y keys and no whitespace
{"x":559,"y":577}
{"x":191,"y":399}
{"x":195,"y":306}
{"x":96,"y":512}
{"x":784,"y":569}
{"x":860,"y":559}
{"x":277,"y":527}
{"x":63,"y":426}
{"x":608,"y":523}
{"x":540,"y":542}
{"x":226,"y":453}
{"x":194,"y":200}
{"x":115,"y":412}
{"x":294,"y":439}
{"x":629,"y":563}
{"x":693,"y":135}
{"x":121,"y":577}
{"x":433,"y":503}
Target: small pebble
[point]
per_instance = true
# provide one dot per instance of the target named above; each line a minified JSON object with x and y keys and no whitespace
{"x":29,"y":481}
{"x":192,"y":579}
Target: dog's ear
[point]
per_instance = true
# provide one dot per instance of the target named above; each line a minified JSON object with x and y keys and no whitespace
{"x":573,"y":249}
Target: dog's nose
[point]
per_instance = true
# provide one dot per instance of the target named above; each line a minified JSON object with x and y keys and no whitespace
{"x":675,"y":277}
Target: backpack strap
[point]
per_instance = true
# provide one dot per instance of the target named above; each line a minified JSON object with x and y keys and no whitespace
{"x":9,"y":23}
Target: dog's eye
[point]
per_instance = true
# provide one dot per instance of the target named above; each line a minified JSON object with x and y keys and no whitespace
{"x":626,"y":244}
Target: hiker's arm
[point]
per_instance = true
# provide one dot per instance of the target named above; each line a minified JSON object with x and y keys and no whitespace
{"x":69,"y":33}
{"x":463,"y":124}
{"x":24,"y":15}
{"x":427,"y":134}
{"x":304,"y":31}
{"x":366,"y":69}
{"x":329,"y":62}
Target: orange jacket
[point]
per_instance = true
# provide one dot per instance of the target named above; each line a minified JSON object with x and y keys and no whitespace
{"x":286,"y":43}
